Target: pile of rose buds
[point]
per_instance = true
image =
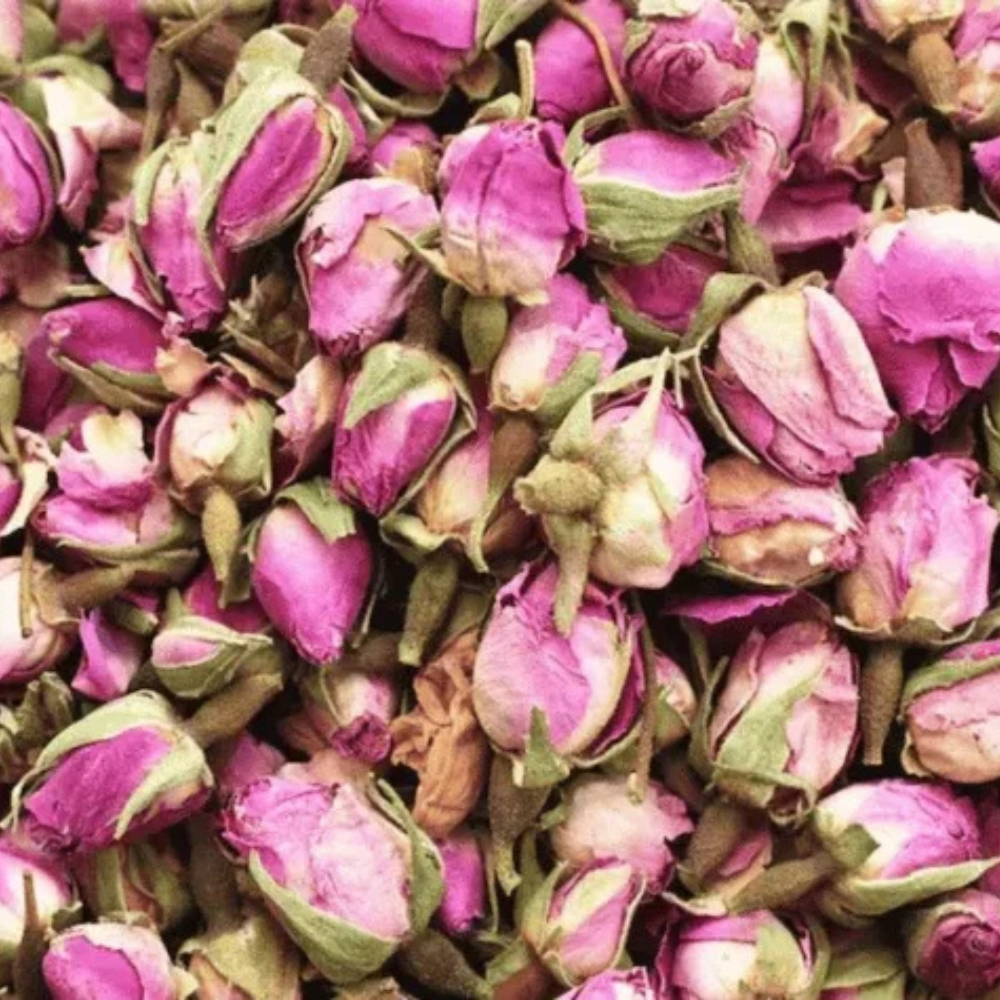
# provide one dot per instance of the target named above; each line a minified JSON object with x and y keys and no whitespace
{"x":498,"y":499}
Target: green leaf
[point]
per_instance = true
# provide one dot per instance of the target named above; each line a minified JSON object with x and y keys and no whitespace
{"x":387,"y":371}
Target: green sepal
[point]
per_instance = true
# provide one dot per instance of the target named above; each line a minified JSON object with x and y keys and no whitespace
{"x":484,"y":329}
{"x":541,"y":765}
{"x":41,"y":37}
{"x":945,"y":674}
{"x":811,"y":17}
{"x":497,"y":19}
{"x":779,"y":959}
{"x":644,"y":335}
{"x":329,"y":515}
{"x":876,"y":973}
{"x":404,"y":105}
{"x":194,"y":9}
{"x":512,"y":960}
{"x":146,"y":395}
{"x":558,"y":399}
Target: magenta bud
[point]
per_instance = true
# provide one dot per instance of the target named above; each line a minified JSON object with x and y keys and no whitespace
{"x":26,"y":186}
{"x":129,"y":34}
{"x":408,"y":151}
{"x":465,"y":906}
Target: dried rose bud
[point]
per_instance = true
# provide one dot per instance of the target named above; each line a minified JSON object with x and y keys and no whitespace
{"x":578,"y":928}
{"x":348,"y":841}
{"x":949,"y":710}
{"x":785,"y":718}
{"x":893,"y":19}
{"x":410,"y":152}
{"x":603,"y":822}
{"x":411,"y":45}
{"x":464,"y":907}
{"x":129,"y":34}
{"x":570,"y":80}
{"x":80,"y":797}
{"x":690,"y":66}
{"x":399,"y":411}
{"x":928,"y":366}
{"x":778,"y":99}
{"x":512,"y":214}
{"x":119,"y":960}
{"x":954,"y":946}
{"x":27,"y":189}
{"x":925,"y":556}
{"x":926,"y":842}
{"x":312,"y":567}
{"x":555,"y":352}
{"x":238,"y":761}
{"x":671,"y":182}
{"x":771,"y":530}
{"x":794,"y":377}
{"x":306,"y":422}
{"x":112,"y":656}
{"x":441,"y":739}
{"x":359,"y":278}
{"x":635,"y":984}
{"x":974,"y":43}
{"x":753,"y":954}
{"x":277,"y":118}
{"x":168,"y":188}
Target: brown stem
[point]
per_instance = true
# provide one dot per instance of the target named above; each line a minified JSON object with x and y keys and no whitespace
{"x":213,"y":881}
{"x":934,"y":70}
{"x":27,"y":968}
{"x":721,"y":828}
{"x":784,"y":883}
{"x":933,"y":168}
{"x":431,"y":595}
{"x":163,"y":84}
{"x":229,"y":712}
{"x":881,"y":686}
{"x":639,"y":779}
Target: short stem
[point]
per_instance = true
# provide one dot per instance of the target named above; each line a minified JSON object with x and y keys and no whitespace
{"x":26,"y":593}
{"x":784,"y":883}
{"x":431,"y":595}
{"x":424,"y":322}
{"x":93,"y":587}
{"x":326,"y":57}
{"x":639,"y":779}
{"x":512,"y":811}
{"x":231,"y":711}
{"x":526,"y":75}
{"x":680,"y":778}
{"x":720,"y":830}
{"x":182,"y":36}
{"x":933,"y":168}
{"x":435,"y":962}
{"x":881,"y":686}
{"x":27,"y":968}
{"x":163,"y":83}
{"x":213,"y":881}
{"x":934,"y":69}
{"x":222,"y":528}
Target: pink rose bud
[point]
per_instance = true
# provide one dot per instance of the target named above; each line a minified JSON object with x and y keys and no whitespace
{"x":26,"y":187}
{"x":277,"y":118}
{"x":570,"y":80}
{"x":146,"y":877}
{"x":408,"y":151}
{"x":690,"y":66}
{"x":168,"y":188}
{"x":672,"y":182}
{"x":569,"y":684}
{"x":217,"y":437}
{"x":603,"y":822}
{"x":662,"y":296}
{"x":954,"y":946}
{"x":926,"y":842}
{"x":315,"y":851}
{"x":893,"y":19}
{"x":23,"y":658}
{"x":796,"y":380}
{"x":555,"y":352}
{"x":769,"y":529}
{"x":110,"y":960}
{"x":241,"y":760}
{"x":129,"y":34}
{"x":512,"y":214}
{"x":634,"y":984}
{"x":578,"y":928}
{"x":785,"y":718}
{"x":203,"y":598}
{"x":925,"y":557}
{"x":359,"y":279}
{"x":975,"y":45}
{"x":398,"y":411}
{"x":948,"y":709}
{"x":754,"y":954}
{"x":405,"y":40}
{"x":112,"y":656}
{"x":312,"y":567}
{"x":464,"y":907}
{"x":356,"y":161}
{"x":928,"y":366}
{"x":11,"y":29}
{"x":778,"y":99}
{"x":121,"y":773}
{"x":308,"y":414}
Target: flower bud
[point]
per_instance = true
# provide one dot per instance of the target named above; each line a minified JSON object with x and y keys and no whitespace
{"x":80,"y":798}
{"x":238,"y":761}
{"x":23,"y":657}
{"x":974,"y":43}
{"x":575,"y":693}
{"x":928,"y":367}
{"x":55,"y":896}
{"x":785,"y":718}
{"x":925,"y":557}
{"x":768,"y":529}
{"x":112,"y":655}
{"x":555,"y":352}
{"x":26,"y":189}
{"x":511,"y":215}
{"x":778,"y":99}
{"x":410,"y":152}
{"x":441,"y":739}
{"x":168,"y":188}
{"x":671,"y":182}
{"x":312,"y":567}
{"x":795,"y":378}
{"x":954,"y":946}
{"x":893,"y":19}
{"x":635,"y":984}
{"x":398,"y":411}
{"x":465,"y":906}
{"x":948,"y":708}
{"x":578,"y":928}
{"x":691,"y":66}
{"x":570,"y":80}
{"x":926,"y":842}
{"x":753,"y":954}
{"x":117,"y":960}
{"x":217,"y":437}
{"x":603,"y":822}
{"x":129,"y":34}
{"x":314,"y":852}
{"x":277,"y":117}
{"x":411,"y":45}
{"x":359,"y":278}
{"x":306,"y":422}
{"x":146,"y":877}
